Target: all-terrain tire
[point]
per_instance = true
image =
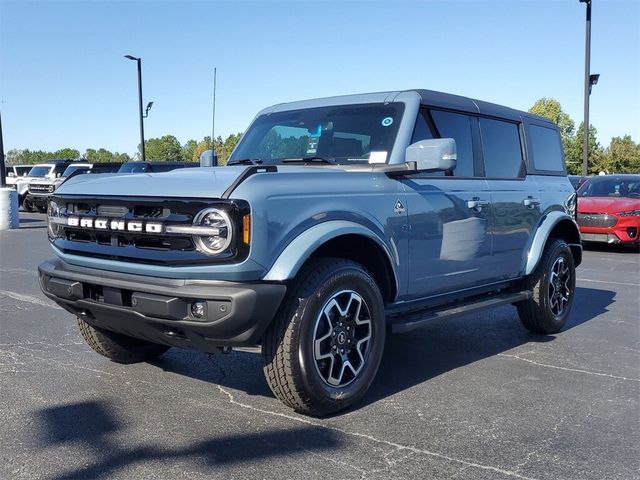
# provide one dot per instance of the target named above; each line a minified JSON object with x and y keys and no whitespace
{"x":552,"y":285}
{"x":330,"y":296}
{"x":117,"y":347}
{"x":27,"y":206}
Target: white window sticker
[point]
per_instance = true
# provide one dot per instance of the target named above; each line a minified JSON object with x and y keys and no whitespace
{"x":377,"y":157}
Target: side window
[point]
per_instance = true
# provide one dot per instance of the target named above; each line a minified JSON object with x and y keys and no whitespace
{"x":422,"y":131}
{"x":501,"y":148}
{"x":546,"y":148}
{"x":458,"y":127}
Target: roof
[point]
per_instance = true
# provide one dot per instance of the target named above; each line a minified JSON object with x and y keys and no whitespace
{"x":427,"y":97}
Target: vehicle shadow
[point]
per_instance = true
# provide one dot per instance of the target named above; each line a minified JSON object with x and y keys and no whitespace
{"x":445,"y":345}
{"x":409,"y":359}
{"x":96,"y":426}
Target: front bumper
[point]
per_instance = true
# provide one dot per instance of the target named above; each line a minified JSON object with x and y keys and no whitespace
{"x":626,"y":231}
{"x":159,"y":309}
{"x":38,"y":199}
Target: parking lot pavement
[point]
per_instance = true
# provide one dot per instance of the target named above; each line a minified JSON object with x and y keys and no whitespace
{"x":470,"y":398}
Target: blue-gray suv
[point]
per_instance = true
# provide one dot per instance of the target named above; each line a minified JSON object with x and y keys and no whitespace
{"x":335,"y":222}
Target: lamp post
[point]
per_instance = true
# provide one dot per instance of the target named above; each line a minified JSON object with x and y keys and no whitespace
{"x":139,"y":62}
{"x":3,"y":180}
{"x":589,"y":81}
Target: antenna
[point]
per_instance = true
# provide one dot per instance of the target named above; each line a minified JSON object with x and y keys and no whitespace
{"x":213,"y":118}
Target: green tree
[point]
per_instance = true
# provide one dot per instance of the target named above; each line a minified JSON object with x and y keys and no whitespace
{"x":573,"y":153}
{"x":104,"y":155}
{"x":623,"y":155}
{"x":70,"y":153}
{"x":166,"y":148}
{"x":550,"y":108}
{"x":188,"y":150}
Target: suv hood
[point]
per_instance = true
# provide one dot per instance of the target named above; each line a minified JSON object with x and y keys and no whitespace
{"x":189,"y":182}
{"x":607,"y":204}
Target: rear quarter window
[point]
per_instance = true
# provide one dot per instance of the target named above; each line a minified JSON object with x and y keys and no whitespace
{"x":546,"y":149}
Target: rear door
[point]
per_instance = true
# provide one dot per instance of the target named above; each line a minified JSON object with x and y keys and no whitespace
{"x":515,"y":198}
{"x":449,"y":213}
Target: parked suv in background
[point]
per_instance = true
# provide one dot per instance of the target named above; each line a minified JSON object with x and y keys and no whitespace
{"x":39,"y":191}
{"x":609,"y":209}
{"x":336,"y":221}
{"x":15,"y":172}
{"x":49,"y":170}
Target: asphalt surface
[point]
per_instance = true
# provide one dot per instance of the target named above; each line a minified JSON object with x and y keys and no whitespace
{"x":471,"y":398}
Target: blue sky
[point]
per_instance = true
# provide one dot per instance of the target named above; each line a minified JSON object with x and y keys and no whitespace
{"x":64,"y":81}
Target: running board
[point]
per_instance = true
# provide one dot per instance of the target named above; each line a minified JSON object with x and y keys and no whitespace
{"x":411,"y":321}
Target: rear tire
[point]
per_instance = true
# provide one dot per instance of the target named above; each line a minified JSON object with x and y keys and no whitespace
{"x":117,"y":347}
{"x":553,"y":285}
{"x":324,"y":347}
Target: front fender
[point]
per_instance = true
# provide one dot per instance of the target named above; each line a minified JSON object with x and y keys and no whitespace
{"x":549,"y":222}
{"x":300,"y":249}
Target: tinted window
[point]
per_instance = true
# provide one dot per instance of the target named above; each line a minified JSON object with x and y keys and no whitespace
{"x":546,"y":148}
{"x":133,"y":167}
{"x":422,"y":131}
{"x":501,"y":148}
{"x":611,"y":186}
{"x":458,"y":127}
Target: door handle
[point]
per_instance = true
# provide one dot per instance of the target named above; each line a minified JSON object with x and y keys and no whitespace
{"x":476,"y":204}
{"x":531,"y":202}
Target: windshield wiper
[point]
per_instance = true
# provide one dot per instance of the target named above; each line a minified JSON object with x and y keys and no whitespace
{"x":309,"y":159}
{"x":245,"y":161}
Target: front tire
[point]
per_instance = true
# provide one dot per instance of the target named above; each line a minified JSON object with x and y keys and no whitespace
{"x":27,"y":206}
{"x":552,"y":285}
{"x":117,"y":347}
{"x":324,"y":347}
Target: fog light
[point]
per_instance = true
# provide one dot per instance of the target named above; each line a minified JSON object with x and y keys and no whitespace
{"x":632,"y":232}
{"x":199,"y":309}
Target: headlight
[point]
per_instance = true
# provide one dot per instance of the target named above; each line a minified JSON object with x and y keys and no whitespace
{"x":221,"y":227}
{"x":629,"y":213}
{"x":53,"y":219}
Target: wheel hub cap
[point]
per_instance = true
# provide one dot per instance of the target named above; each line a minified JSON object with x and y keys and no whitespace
{"x":559,"y":287}
{"x":342,"y":338}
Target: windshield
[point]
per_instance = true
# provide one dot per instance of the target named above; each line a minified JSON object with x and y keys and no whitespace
{"x":344,"y":134}
{"x":611,"y":187}
{"x":133,"y":167}
{"x":72,"y":168}
{"x":39,"y":171}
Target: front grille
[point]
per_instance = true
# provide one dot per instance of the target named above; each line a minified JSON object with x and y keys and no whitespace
{"x":140,"y":246}
{"x":40,"y":188}
{"x":596,"y":220}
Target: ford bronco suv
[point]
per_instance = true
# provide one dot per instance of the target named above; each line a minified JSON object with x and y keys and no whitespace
{"x":335,"y":222}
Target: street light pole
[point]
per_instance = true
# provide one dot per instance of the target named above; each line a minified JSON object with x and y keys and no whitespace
{"x":213,"y":118}
{"x":3,"y":180}
{"x":139,"y":62}
{"x":587,"y":90}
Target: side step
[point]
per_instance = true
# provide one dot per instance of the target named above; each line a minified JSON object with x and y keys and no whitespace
{"x":411,"y":321}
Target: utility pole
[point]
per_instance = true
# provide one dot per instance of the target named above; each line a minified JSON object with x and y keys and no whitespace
{"x":587,"y":90}
{"x":3,"y":171}
{"x":213,"y":120}
{"x":139,"y":62}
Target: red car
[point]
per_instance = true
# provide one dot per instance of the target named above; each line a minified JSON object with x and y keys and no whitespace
{"x":609,"y":209}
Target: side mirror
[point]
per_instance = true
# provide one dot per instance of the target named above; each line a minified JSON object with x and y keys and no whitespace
{"x":11,"y":174}
{"x":434,"y":155}
{"x":208,"y":159}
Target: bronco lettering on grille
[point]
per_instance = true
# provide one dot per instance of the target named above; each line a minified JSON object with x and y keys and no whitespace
{"x":114,"y":225}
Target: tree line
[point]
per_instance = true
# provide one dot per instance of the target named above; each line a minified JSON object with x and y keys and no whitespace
{"x":622,"y":155}
{"x":165,"y":148}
